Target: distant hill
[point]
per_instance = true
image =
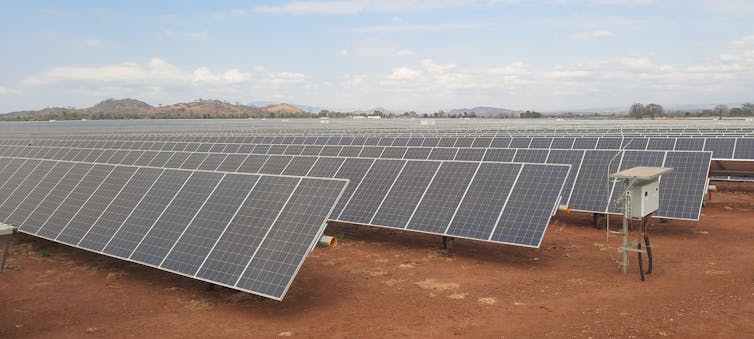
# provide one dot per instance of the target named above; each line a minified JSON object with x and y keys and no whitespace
{"x":135,"y":109}
{"x":371,"y":111}
{"x":110,"y":106}
{"x":483,"y":111}
{"x":284,"y":108}
{"x":306,"y":108}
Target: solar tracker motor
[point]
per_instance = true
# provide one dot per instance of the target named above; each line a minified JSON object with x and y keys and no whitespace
{"x":640,"y":197}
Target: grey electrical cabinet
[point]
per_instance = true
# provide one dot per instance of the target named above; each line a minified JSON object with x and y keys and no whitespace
{"x":642,"y":186}
{"x":645,"y":199}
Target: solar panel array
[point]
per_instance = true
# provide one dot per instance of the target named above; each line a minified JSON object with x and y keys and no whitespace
{"x":586,"y":187}
{"x":245,"y":231}
{"x":241,"y":206}
{"x":371,"y":196}
{"x":722,"y":148}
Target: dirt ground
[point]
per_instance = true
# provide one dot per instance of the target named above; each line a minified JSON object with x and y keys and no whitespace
{"x":384,"y":283}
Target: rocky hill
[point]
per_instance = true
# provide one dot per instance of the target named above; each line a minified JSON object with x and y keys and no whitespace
{"x":135,"y":109}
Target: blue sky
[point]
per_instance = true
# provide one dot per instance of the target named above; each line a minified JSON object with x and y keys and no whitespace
{"x":345,"y":55}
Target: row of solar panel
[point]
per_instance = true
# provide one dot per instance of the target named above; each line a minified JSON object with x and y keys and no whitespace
{"x":477,"y":131}
{"x":721,"y":148}
{"x":426,"y":199}
{"x":586,"y":188}
{"x":249,"y":232}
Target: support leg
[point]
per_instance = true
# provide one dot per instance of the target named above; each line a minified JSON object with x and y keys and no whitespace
{"x":6,"y":245}
{"x":447,"y":243}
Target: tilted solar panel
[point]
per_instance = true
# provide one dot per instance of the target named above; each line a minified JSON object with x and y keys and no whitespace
{"x":181,"y":221}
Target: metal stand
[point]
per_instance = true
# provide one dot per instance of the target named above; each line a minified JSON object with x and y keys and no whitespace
{"x":5,"y":232}
{"x":447,"y":242}
{"x":628,"y":246}
{"x":641,"y":193}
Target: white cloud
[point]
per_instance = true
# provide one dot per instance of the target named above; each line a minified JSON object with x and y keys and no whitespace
{"x":596,"y":34}
{"x":359,"y":6}
{"x":155,"y":71}
{"x":423,"y":84}
{"x":744,"y":41}
{"x":428,"y":84}
{"x":231,"y":76}
{"x":447,"y":26}
{"x":343,"y":52}
{"x":8,"y":91}
{"x":314,"y":7}
{"x":403,"y":73}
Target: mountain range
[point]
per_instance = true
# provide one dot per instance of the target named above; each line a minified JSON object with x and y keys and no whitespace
{"x":132,"y":108}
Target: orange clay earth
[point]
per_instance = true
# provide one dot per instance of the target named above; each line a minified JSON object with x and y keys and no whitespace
{"x":385,"y":283}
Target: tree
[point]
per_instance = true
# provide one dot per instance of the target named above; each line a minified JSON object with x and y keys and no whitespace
{"x":530,"y":115}
{"x":636,"y":111}
{"x":653,"y":110}
{"x":721,"y":110}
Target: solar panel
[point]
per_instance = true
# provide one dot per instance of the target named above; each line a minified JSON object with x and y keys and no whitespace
{"x":679,"y":188}
{"x":480,"y":210}
{"x":407,"y":190}
{"x":361,"y":206}
{"x":173,"y":219}
{"x":441,"y":197}
{"x":721,"y":148}
{"x":590,"y":191}
{"x":531,"y":203}
{"x":744,"y":148}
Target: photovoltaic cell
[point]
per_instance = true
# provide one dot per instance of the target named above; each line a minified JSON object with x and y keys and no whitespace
{"x":442,"y":196}
{"x":442,"y":154}
{"x":246,"y":230}
{"x":536,"y":191}
{"x":144,"y":215}
{"x":202,"y":232}
{"x":354,"y":170}
{"x":682,"y":191}
{"x":157,"y":240}
{"x":591,"y":190}
{"x":75,"y":199}
{"x":326,"y":167}
{"x":14,"y":195}
{"x":407,"y":190}
{"x":689,"y":144}
{"x":119,"y":209}
{"x":744,"y":148}
{"x":35,"y":196}
{"x":363,"y":204}
{"x":276,"y":164}
{"x":54,"y":199}
{"x":663,"y":144}
{"x":417,"y":153}
{"x":295,"y":232}
{"x":531,"y":155}
{"x":96,"y":205}
{"x":300,"y":165}
{"x":482,"y":205}
{"x":721,"y":148}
